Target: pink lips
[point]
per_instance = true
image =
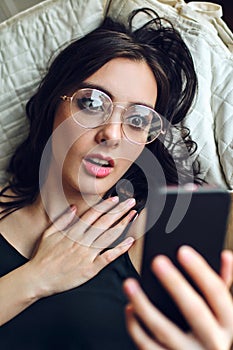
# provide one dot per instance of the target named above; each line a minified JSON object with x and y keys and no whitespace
{"x":97,"y":165}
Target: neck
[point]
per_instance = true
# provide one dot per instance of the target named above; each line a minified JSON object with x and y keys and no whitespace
{"x":55,"y":197}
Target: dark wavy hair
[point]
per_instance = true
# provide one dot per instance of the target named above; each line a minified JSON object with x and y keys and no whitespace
{"x":161,"y":47}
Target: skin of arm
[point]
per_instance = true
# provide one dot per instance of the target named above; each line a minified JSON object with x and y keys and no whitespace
{"x":12,"y":303}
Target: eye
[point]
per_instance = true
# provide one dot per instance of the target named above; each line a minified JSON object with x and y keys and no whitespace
{"x":90,"y":104}
{"x":137,"y":121}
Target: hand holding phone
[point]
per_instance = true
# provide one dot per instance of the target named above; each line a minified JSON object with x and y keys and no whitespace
{"x":203,"y":227}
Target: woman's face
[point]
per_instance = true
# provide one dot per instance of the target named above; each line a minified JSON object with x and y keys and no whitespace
{"x":81,"y":151}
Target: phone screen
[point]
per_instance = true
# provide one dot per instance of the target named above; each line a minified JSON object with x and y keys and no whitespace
{"x":196,"y":218}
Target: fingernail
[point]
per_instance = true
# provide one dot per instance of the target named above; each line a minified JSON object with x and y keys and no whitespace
{"x":162,"y":263}
{"x":132,"y":214}
{"x":114,"y":199}
{"x":130,"y":202}
{"x":129,"y":309}
{"x":186,"y":252}
{"x":72,"y":208}
{"x":129,"y":240}
{"x":130,"y":286}
{"x":135,"y":217}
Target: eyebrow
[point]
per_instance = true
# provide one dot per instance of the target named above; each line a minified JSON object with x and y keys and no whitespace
{"x":101,"y":88}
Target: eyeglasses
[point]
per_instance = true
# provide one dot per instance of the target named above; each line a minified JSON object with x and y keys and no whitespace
{"x":91,"y":108}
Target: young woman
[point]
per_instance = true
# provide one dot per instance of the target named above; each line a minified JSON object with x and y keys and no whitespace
{"x":66,"y":242}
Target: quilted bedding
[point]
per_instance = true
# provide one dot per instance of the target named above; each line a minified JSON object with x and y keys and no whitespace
{"x":30,"y":39}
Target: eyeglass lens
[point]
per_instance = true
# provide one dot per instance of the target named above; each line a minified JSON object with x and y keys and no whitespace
{"x":91,"y":108}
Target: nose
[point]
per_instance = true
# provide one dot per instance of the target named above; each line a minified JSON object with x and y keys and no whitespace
{"x":110,"y":134}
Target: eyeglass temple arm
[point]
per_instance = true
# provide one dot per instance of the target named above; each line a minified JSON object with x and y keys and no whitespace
{"x":162,"y":132}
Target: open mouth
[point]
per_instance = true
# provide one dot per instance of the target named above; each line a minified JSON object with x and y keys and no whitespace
{"x":100,"y":162}
{"x":98,"y":165}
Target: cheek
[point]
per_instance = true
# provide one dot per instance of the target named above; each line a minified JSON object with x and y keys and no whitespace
{"x":66,"y":139}
{"x":128,"y":156}
{"x":130,"y":152}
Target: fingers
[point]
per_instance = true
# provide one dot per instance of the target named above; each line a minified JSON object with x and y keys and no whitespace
{"x":209,"y":282}
{"x":216,"y":316}
{"x":160,"y":327}
{"x":101,"y":222}
{"x":62,"y":222}
{"x":208,"y":332}
{"x":112,"y":216}
{"x":110,"y":255}
{"x":92,"y":214}
{"x":188,"y":301}
{"x":112,"y":234}
{"x":226,"y":271}
{"x":141,"y":338}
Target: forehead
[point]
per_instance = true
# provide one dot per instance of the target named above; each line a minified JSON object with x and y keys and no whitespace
{"x":126,"y":80}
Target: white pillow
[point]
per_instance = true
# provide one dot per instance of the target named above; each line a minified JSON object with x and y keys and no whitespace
{"x":211,"y":44}
{"x":28,"y":41}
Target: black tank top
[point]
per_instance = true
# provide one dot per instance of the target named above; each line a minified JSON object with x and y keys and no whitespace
{"x":89,"y":317}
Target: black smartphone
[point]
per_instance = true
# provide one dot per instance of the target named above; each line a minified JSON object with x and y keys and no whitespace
{"x":178,"y":216}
